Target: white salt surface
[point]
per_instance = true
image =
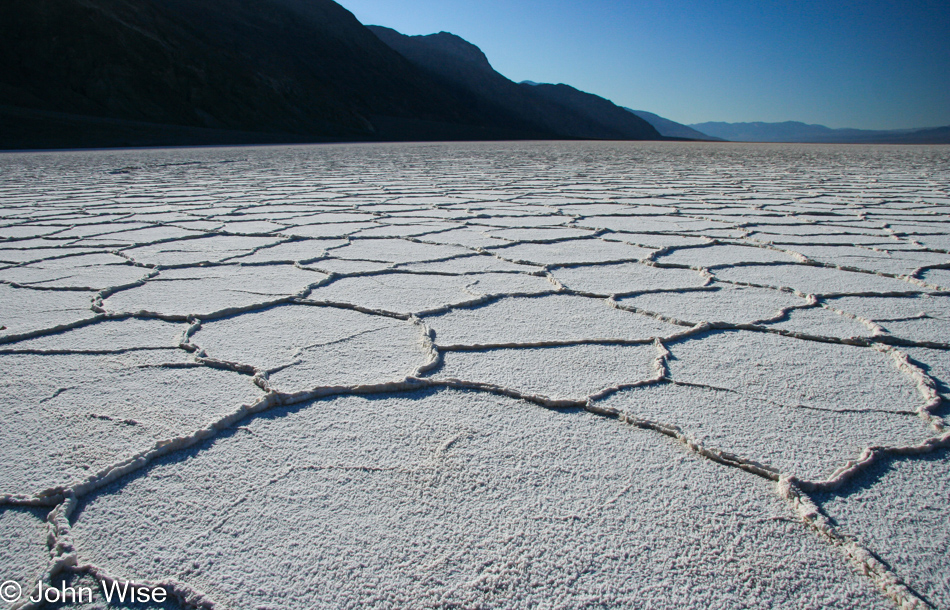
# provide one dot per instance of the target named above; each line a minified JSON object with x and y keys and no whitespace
{"x":418,"y":293}
{"x":807,"y":443}
{"x":720,"y":303}
{"x":24,"y":311}
{"x":626,"y":278}
{"x":23,"y":554}
{"x":479,"y":375}
{"x":540,"y":319}
{"x":815,"y":280}
{"x":826,"y":375}
{"x":823,"y":322}
{"x":204,"y":291}
{"x":460,"y":499}
{"x":574,"y":251}
{"x":899,"y":510}
{"x":303,"y":347}
{"x":714,"y":256}
{"x":86,"y":412}
{"x":571,"y":372}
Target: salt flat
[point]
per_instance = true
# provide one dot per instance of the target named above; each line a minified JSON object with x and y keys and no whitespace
{"x":493,"y":375}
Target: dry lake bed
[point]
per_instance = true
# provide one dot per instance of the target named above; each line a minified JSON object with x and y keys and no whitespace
{"x":496,"y":375}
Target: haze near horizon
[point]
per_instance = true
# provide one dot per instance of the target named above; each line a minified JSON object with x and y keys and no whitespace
{"x":869,"y":65}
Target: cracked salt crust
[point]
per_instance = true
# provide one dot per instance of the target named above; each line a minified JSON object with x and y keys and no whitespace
{"x":895,"y":308}
{"x":205,"y":249}
{"x":809,"y":443}
{"x":894,"y":262}
{"x":902,"y":520}
{"x":815,"y":280}
{"x":16,"y":256}
{"x":341,"y":229}
{"x":418,"y":293}
{"x":523,"y":516}
{"x":108,"y":336}
{"x":128,"y":238}
{"x":719,"y":303}
{"x":559,"y":373}
{"x":85,"y":412}
{"x":939,"y":277}
{"x":474,"y":237}
{"x":792,"y":372}
{"x":23,"y":555}
{"x":554,"y":233}
{"x":24,"y":311}
{"x":937,"y":364}
{"x":209,"y":290}
{"x":396,"y":251}
{"x":328,"y":364}
{"x":658,"y":223}
{"x":90,"y":272}
{"x":607,"y":279}
{"x":303,"y":347}
{"x":306,"y":250}
{"x":524,"y":320}
{"x":823,"y":322}
{"x":475,"y":263}
{"x":567,"y":252}
{"x":712,"y":256}
{"x":402,"y":230}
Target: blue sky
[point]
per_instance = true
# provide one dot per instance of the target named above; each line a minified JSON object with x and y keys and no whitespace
{"x":875,"y":64}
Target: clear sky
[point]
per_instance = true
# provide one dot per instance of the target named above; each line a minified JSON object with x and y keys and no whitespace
{"x":875,"y":64}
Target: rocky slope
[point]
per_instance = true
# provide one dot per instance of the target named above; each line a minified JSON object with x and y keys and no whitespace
{"x":556,"y":108}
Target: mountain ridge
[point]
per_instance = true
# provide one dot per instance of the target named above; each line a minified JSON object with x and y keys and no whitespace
{"x":100,"y":73}
{"x":558,"y":108}
{"x":799,"y":132}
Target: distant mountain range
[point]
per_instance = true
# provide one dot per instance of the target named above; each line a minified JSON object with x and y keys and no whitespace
{"x":673,"y":129}
{"x":79,"y":73}
{"x":793,"y":131}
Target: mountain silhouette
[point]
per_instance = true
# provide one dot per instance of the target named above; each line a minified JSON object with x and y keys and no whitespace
{"x":79,"y":73}
{"x":563,"y":110}
{"x":281,"y":66}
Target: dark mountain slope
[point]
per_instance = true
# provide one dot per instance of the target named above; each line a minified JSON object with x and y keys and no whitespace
{"x":556,"y":108}
{"x":303,"y":67}
{"x":602,"y":111}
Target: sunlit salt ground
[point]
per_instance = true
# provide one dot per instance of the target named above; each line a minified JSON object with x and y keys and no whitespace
{"x":479,"y":375}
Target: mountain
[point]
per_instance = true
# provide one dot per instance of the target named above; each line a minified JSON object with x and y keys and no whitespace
{"x":81,"y":73}
{"x":463,"y":68}
{"x":281,"y":66}
{"x":148,"y":72}
{"x":670,"y":128}
{"x":793,"y":131}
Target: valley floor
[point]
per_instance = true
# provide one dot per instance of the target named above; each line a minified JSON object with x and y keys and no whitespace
{"x":492,"y":375}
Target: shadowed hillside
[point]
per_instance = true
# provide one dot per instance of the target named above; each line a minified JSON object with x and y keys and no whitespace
{"x":291,"y":69}
{"x":564,"y":110}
